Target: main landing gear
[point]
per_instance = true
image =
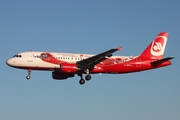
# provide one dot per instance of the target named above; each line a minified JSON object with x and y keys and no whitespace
{"x":82,"y":81}
{"x":28,"y":76}
{"x":88,"y":77}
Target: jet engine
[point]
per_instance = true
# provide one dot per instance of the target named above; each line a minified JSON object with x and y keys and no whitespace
{"x":57,"y":75}
{"x":68,"y":68}
{"x":64,"y":71}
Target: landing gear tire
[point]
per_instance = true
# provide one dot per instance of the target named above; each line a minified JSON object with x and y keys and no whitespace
{"x":81,"y":81}
{"x":88,"y":77}
{"x":28,"y":77}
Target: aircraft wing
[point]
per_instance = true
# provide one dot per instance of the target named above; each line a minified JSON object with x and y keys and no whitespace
{"x":90,"y":62}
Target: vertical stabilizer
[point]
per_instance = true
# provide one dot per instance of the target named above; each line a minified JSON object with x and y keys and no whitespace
{"x":156,"y":49}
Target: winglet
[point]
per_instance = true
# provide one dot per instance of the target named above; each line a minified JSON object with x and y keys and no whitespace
{"x":119,"y":48}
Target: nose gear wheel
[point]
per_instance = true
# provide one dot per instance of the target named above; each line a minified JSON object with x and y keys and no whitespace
{"x":28,"y":76}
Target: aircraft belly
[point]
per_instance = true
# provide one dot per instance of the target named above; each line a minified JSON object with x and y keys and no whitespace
{"x":125,"y":68}
{"x":47,"y":65}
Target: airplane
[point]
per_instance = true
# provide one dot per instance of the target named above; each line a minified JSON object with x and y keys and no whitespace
{"x":66,"y":65}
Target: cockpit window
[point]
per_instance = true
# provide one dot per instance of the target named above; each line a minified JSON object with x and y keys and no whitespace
{"x":44,"y":55}
{"x":17,"y":56}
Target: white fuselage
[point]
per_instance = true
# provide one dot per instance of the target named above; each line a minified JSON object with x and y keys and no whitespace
{"x":32,"y":59}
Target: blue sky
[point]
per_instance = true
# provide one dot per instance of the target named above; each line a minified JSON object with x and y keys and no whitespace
{"x":89,"y":27}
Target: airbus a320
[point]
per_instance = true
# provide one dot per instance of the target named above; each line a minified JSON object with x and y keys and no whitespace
{"x":66,"y":65}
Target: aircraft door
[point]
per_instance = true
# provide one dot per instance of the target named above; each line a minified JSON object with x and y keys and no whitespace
{"x":138,"y":62}
{"x":30,"y":57}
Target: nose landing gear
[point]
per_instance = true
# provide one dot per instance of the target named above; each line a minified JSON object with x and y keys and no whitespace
{"x":28,"y":76}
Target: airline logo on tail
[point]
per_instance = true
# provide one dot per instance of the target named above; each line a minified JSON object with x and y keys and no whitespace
{"x":158,"y":46}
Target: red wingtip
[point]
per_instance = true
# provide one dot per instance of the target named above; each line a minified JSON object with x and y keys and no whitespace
{"x":119,"y":48}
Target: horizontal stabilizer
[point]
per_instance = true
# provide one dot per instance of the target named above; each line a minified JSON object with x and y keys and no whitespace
{"x":158,"y":62}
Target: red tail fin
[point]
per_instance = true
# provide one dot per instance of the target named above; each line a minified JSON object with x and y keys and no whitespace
{"x":156,"y":49}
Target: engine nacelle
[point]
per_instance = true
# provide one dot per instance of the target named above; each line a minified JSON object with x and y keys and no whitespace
{"x":68,"y":68}
{"x":60,"y":76}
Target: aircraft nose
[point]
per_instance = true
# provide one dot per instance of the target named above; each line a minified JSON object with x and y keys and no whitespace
{"x":9,"y":62}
